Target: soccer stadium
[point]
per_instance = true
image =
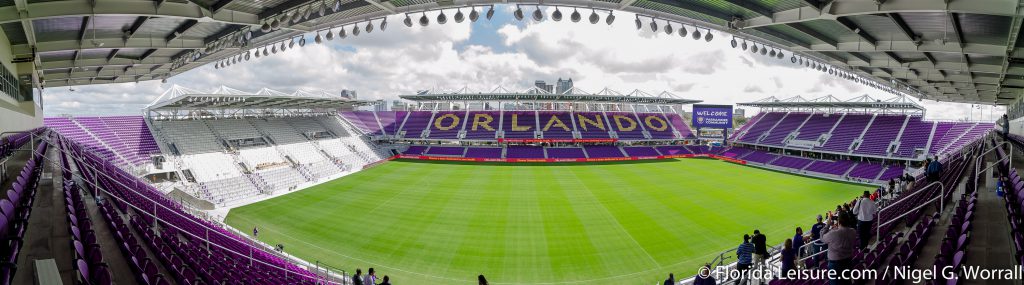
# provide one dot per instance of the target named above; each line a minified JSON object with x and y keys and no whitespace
{"x":885,"y":169}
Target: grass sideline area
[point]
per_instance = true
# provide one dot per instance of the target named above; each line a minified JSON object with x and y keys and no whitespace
{"x":429,"y":222}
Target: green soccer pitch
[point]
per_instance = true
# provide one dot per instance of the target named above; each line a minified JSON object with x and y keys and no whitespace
{"x":596,"y":223}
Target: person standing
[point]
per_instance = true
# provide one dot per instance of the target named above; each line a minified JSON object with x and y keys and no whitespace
{"x":480,"y":280}
{"x":817,"y":230}
{"x":387,"y":281}
{"x":788,"y":257}
{"x":358,"y":278}
{"x":255,"y":233}
{"x":760,"y":248}
{"x":841,"y":243}
{"x":370,"y":278}
{"x":865,"y":211}
{"x":671,"y":280}
{"x":743,"y":258}
{"x":934,"y":170}
{"x":798,"y":242}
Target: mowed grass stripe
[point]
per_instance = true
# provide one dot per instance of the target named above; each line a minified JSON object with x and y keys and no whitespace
{"x":600,"y":223}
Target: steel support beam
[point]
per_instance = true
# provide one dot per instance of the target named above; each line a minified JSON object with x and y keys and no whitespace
{"x":839,"y":9}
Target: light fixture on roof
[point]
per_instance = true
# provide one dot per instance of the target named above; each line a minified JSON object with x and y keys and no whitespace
{"x":518,"y":13}
{"x":538,"y":15}
{"x":696,"y":34}
{"x":594,"y":18}
{"x":306,"y":15}
{"x":610,"y":19}
{"x":342,"y":33}
{"x":265,"y":52}
{"x":459,"y":17}
{"x":318,"y":39}
{"x":682,"y":31}
{"x":772,"y":53}
{"x":442,"y":18}
{"x":284,"y":18}
{"x":473,"y":15}
{"x":557,"y":15}
{"x":792,"y":59}
{"x":273,"y":49}
{"x":257,"y":53}
{"x":424,"y":21}
{"x":283,"y":47}
{"x":490,"y":13}
{"x":247,"y":55}
{"x":764,"y":50}
{"x":708,"y":36}
{"x":654,"y":25}
{"x":369,"y":27}
{"x":780,"y":55}
{"x":575,"y":17}
{"x":291,"y":43}
{"x":753,"y":48}
{"x":355,"y":30}
{"x":733,"y":42}
{"x":275,"y":24}
{"x":330,"y":35}
{"x":322,"y":10}
{"x":384,"y":24}
{"x":337,"y":5}
{"x":639,"y":25}
{"x":407,"y":21}
{"x":265,"y":27}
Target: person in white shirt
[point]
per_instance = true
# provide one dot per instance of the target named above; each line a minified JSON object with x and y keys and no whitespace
{"x":370,"y":278}
{"x":865,"y":211}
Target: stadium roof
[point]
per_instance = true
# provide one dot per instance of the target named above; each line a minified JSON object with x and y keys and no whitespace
{"x":831,"y":102}
{"x":953,"y":50}
{"x":536,"y":94}
{"x":182,"y":98}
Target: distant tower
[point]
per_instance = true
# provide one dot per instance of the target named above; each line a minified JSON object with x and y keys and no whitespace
{"x":544,"y":86}
{"x":351,"y":94}
{"x":563,"y":85}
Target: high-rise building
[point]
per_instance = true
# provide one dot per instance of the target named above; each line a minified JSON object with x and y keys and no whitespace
{"x":380,"y":105}
{"x":563,"y":85}
{"x":351,"y":94}
{"x":397,"y":105}
{"x":544,"y":86}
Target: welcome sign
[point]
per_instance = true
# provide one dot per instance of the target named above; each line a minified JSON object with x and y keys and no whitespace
{"x":712,"y":116}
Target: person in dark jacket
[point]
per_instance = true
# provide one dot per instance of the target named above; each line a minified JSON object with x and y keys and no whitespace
{"x":358,"y":278}
{"x":671,"y":280}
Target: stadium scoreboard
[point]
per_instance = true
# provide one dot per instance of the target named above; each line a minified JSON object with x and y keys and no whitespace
{"x":712,"y":116}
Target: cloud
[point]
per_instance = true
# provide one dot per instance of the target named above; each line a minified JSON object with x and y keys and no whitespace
{"x":504,"y":52}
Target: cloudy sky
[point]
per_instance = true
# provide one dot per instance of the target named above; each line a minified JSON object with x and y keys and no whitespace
{"x":509,"y":53}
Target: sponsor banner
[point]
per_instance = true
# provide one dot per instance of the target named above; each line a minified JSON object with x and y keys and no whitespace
{"x":535,"y":160}
{"x":712,"y":116}
{"x":558,"y":140}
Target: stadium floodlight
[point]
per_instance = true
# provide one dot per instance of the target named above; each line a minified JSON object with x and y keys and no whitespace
{"x":355,"y":30}
{"x":273,"y":49}
{"x":275,"y":24}
{"x":780,"y":55}
{"x":668,"y":27}
{"x":792,"y":59}
{"x":342,"y":33}
{"x":323,"y":10}
{"x":459,"y":17}
{"x":610,"y":19}
{"x":306,"y":15}
{"x":257,"y":53}
{"x":538,"y":15}
{"x":708,"y":36}
{"x":753,"y":49}
{"x":407,"y":21}
{"x":575,"y":17}
{"x":683,"y":31}
{"x":248,"y":35}
{"x":696,"y":34}
{"x":265,"y":52}
{"x":163,"y":80}
{"x":639,"y":25}
{"x":265,"y":27}
{"x":654,"y":25}
{"x":557,"y":15}
{"x":318,"y":38}
{"x":594,"y":18}
{"x":247,"y":55}
{"x":337,"y":5}
{"x":473,"y":15}
{"x":733,"y":42}
{"x":424,"y":21}
{"x":384,"y":24}
{"x":518,"y":13}
{"x":330,"y":35}
{"x":442,"y":18}
{"x":285,"y":18}
{"x":764,"y":50}
{"x":302,"y":41}
{"x":291,"y":43}
{"x":490,"y":13}
{"x":369,"y":26}
{"x":772,"y":53}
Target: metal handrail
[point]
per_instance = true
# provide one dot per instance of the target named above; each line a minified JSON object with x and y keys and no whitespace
{"x":942,"y":193}
{"x":981,"y":157}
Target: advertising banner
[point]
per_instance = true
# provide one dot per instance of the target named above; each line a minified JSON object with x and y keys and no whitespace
{"x":712,"y":116}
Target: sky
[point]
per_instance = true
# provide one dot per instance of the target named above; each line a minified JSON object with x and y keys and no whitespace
{"x":508,"y":53}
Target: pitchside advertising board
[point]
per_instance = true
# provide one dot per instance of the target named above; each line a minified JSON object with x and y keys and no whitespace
{"x":712,"y":116}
